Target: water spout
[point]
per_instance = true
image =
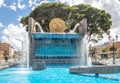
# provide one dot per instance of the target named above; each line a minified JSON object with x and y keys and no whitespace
{"x":27,"y":50}
{"x":80,"y":27}
{"x":85,"y":58}
{"x":39,"y":26}
{"x":24,"y":59}
{"x":77,"y":26}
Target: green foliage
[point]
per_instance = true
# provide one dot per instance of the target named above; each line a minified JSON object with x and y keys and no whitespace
{"x":113,"y":48}
{"x":14,"y":56}
{"x":104,"y":50}
{"x":6,"y":57}
{"x":24,"y":21}
{"x":93,"y":51}
{"x":98,"y":21}
{"x":47,"y":11}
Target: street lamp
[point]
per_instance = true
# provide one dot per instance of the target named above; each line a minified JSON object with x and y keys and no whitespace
{"x":116,"y":37}
{"x":113,"y":47}
{"x":113,"y":52}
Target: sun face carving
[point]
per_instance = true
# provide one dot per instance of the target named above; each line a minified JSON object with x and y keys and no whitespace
{"x":57,"y":25}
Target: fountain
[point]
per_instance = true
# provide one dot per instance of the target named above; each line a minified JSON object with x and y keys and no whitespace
{"x":40,"y":28}
{"x":57,"y":47}
{"x":24,"y":52}
{"x":60,"y":48}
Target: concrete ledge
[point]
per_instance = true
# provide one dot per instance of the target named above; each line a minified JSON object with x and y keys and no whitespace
{"x":38,"y":65}
{"x":103,"y":69}
{"x":59,"y":61}
{"x":4,"y":67}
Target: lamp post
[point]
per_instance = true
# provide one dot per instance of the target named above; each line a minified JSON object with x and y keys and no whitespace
{"x":113,"y":49}
{"x":113,"y":52}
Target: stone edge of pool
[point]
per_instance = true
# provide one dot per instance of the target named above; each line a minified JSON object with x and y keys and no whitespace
{"x":98,"y":69}
{"x":101,"y":69}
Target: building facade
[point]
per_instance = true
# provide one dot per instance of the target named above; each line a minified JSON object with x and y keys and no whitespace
{"x":7,"y":49}
{"x":107,"y":47}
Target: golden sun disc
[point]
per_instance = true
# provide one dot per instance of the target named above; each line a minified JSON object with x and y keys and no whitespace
{"x":57,"y":25}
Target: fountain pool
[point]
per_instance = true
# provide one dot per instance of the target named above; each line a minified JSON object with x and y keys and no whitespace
{"x":52,"y":75}
{"x":53,"y":48}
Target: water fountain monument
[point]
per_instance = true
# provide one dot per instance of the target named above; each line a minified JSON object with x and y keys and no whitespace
{"x":57,"y":46}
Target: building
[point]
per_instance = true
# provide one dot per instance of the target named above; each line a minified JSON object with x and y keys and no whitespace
{"x":7,"y":49}
{"x":117,"y":46}
{"x":99,"y":48}
{"x":1,"y":55}
{"x":16,"y":54}
{"x":107,"y":47}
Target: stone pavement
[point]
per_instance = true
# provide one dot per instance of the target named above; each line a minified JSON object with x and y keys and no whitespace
{"x":110,"y":61}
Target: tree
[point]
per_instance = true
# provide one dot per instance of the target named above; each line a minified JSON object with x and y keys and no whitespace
{"x":98,"y":21}
{"x":5,"y":57}
{"x":113,"y":48}
{"x":47,"y":11}
{"x":104,"y":50}
{"x":93,"y":52}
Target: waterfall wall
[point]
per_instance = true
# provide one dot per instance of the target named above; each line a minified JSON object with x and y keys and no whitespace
{"x":57,"y":48}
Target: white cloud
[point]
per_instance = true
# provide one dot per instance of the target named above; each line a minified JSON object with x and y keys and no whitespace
{"x":12,"y":41}
{"x":5,"y":39}
{"x":2,"y":3}
{"x":21,"y":6}
{"x":113,"y":7}
{"x":34,"y":3}
{"x":30,"y":3}
{"x":13,"y":6}
{"x":14,"y":31}
{"x":114,"y":32}
{"x":13,"y":35}
{"x":19,"y":18}
{"x":1,"y":25}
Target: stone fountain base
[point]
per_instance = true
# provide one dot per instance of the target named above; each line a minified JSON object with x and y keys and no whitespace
{"x":102,"y":69}
{"x":38,"y":65}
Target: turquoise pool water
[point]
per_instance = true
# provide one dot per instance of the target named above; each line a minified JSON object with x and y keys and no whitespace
{"x":51,"y":75}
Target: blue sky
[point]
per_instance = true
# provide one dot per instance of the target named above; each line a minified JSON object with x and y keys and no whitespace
{"x":10,"y":15}
{"x":12,"y":10}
